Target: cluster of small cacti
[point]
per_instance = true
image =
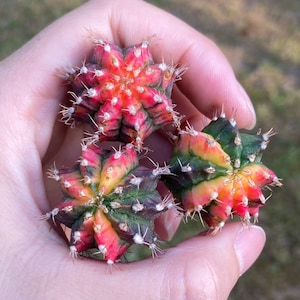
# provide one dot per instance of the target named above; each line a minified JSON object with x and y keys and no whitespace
{"x":110,"y":201}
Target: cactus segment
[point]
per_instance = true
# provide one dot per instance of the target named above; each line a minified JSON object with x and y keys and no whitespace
{"x":218,"y":173}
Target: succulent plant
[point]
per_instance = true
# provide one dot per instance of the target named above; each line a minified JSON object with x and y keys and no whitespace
{"x":122,"y":93}
{"x":110,"y":202}
{"x":218,"y":173}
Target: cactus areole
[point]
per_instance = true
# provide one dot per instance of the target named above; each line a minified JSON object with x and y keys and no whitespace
{"x":110,"y":200}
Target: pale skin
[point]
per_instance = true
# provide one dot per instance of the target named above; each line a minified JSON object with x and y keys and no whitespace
{"x":34,"y":260}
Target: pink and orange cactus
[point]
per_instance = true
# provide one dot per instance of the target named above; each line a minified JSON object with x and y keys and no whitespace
{"x":122,"y":93}
{"x":110,"y":202}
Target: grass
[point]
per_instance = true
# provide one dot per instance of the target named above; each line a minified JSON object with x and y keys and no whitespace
{"x":261,"y":39}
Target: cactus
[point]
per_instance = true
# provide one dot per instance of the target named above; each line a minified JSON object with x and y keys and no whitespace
{"x":110,"y":202}
{"x":218,"y":172}
{"x":122,"y":93}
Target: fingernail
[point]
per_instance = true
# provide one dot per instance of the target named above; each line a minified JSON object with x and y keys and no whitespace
{"x":249,"y":106}
{"x":248,"y":245}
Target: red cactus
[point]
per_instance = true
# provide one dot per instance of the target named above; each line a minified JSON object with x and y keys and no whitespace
{"x":123,"y":92}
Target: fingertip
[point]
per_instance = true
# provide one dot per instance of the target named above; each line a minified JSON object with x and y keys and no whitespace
{"x":247,"y":117}
{"x":217,"y":261}
{"x":167,"y":224}
{"x":248,"y":244}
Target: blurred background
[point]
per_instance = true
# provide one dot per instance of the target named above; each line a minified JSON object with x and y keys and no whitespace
{"x":261,"y":39}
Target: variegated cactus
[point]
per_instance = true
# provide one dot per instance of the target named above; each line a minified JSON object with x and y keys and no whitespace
{"x":218,"y":172}
{"x":110,"y":202}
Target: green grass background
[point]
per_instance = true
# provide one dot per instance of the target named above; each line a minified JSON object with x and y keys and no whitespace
{"x":261,"y":39}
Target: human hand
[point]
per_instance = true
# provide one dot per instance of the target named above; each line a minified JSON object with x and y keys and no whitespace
{"x":34,"y":260}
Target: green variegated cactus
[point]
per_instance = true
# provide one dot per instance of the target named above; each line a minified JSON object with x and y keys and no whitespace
{"x":218,"y":172}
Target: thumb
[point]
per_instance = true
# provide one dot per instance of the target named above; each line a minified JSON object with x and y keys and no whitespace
{"x":209,"y":266}
{"x":203,"y":267}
